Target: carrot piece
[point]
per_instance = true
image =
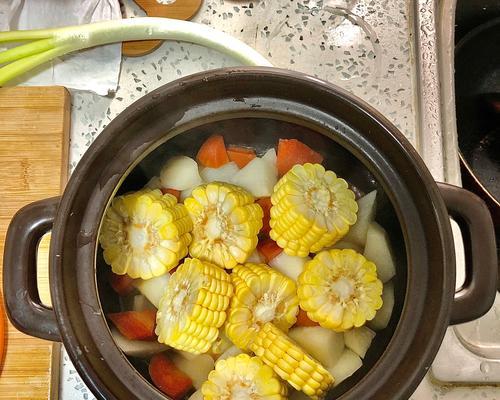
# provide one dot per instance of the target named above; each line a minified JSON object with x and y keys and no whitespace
{"x":292,"y":152}
{"x":265,"y":204}
{"x":168,"y":377}
{"x":240,"y":155}
{"x":173,"y":192}
{"x":304,"y":320}
{"x":135,"y":325}
{"x":121,"y":284}
{"x":268,"y":249}
{"x":213,"y":152}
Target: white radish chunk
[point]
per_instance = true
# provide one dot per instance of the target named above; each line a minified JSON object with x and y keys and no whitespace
{"x":378,"y":250}
{"x":221,"y":344}
{"x":141,"y":303}
{"x":344,"y":244}
{"x":196,"y":395}
{"x":180,"y":173}
{"x":359,"y":340}
{"x":348,"y":363}
{"x":291,"y":266}
{"x":255,"y":258}
{"x":186,"y":354}
{"x":258,"y":177}
{"x":153,"y":288}
{"x":271,"y":157}
{"x":383,"y":315}
{"x":154,"y":183}
{"x":197,"y":369}
{"x":221,"y":174}
{"x":186,"y":193}
{"x":323,"y":344}
{"x":137,"y":348}
{"x":233,"y":351}
{"x":366,"y":213}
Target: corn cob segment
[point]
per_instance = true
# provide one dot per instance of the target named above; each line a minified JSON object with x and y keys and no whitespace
{"x":145,"y":234}
{"x":312,"y":209}
{"x":340,"y":290}
{"x":193,"y":306}
{"x":261,"y":295}
{"x":243,"y":377}
{"x":290,"y":362}
{"x":226,"y":223}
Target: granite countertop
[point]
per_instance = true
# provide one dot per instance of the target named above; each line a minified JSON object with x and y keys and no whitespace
{"x":364,"y":46}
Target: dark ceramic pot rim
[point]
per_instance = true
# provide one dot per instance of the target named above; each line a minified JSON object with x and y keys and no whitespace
{"x":257,"y":91}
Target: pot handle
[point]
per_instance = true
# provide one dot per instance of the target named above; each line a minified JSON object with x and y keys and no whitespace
{"x":22,"y":300}
{"x":477,"y":295}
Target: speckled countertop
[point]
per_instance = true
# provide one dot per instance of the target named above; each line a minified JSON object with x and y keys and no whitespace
{"x":364,"y":46}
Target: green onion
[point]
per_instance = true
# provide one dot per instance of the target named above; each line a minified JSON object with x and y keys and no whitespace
{"x":46,"y":44}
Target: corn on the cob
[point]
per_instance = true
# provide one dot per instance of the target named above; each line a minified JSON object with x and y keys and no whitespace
{"x":312,"y":209}
{"x":261,"y":295}
{"x":193,"y":306}
{"x":243,"y":377}
{"x":226,"y":223}
{"x":145,"y":234}
{"x":339,"y":289}
{"x":291,"y":362}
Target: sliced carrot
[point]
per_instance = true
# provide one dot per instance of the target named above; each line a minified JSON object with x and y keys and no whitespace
{"x":268,"y":249}
{"x":173,"y":192}
{"x":265,"y":204}
{"x":292,"y":152}
{"x":168,"y":377}
{"x":304,"y":320}
{"x":240,"y":155}
{"x":213,"y":152}
{"x":135,"y":325}
{"x":121,"y":284}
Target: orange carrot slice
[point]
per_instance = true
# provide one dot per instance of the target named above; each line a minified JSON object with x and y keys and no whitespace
{"x":135,"y":325}
{"x":268,"y":249}
{"x":213,"y":152}
{"x":292,"y":152}
{"x":121,"y":284}
{"x":304,"y":320}
{"x":173,"y":192}
{"x":240,"y":155}
{"x":265,"y":204}
{"x":168,"y":377}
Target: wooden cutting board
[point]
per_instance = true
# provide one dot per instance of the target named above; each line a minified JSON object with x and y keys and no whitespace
{"x":34,"y":144}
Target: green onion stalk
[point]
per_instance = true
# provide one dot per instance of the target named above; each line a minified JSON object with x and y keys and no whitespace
{"x":44,"y":45}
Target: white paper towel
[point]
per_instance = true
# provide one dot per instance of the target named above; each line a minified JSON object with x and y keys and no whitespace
{"x":96,"y":70}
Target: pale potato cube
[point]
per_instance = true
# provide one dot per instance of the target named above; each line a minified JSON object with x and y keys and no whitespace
{"x":180,"y":173}
{"x":383,"y":315}
{"x":323,"y":344}
{"x":221,"y":174}
{"x":197,"y":368}
{"x":137,"y":348}
{"x":348,"y":363}
{"x":366,"y":214}
{"x":378,"y":250}
{"x":291,"y":266}
{"x":359,"y":340}
{"x":153,"y":288}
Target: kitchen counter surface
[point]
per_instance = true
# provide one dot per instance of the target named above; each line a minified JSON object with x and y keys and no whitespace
{"x":364,"y":46}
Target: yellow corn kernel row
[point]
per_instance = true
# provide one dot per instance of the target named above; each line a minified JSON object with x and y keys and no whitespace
{"x":145,"y":234}
{"x":243,"y":377}
{"x":261,"y":295}
{"x":226,"y":223}
{"x":290,"y":362}
{"x":312,"y":209}
{"x":193,"y":307}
